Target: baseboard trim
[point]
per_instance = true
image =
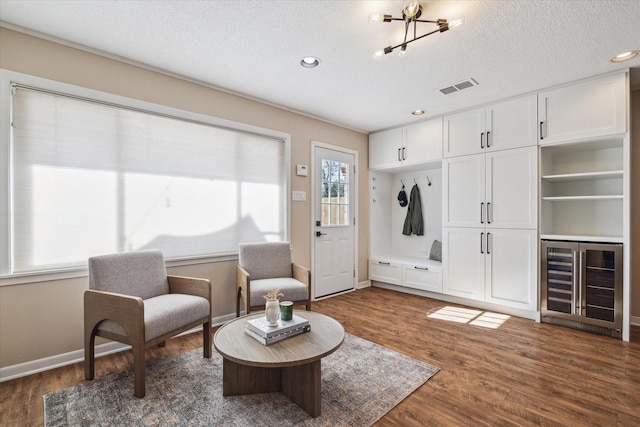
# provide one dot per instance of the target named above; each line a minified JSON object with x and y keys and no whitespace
{"x":365,"y":284}
{"x":9,"y":373}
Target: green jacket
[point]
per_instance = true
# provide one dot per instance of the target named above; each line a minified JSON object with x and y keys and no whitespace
{"x":413,"y":223}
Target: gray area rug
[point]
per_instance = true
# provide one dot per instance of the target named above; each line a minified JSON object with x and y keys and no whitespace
{"x":361,"y":382}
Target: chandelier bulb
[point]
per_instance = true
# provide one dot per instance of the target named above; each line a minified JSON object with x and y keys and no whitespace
{"x":455,"y":24}
{"x":378,"y":54}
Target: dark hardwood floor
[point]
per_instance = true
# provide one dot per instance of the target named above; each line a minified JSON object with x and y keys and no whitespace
{"x":493,"y":371}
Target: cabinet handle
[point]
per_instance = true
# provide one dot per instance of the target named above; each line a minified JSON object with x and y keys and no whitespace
{"x":384,"y":263}
{"x":482,"y":213}
{"x":488,"y":248}
{"x":399,"y":158}
{"x":488,"y":133}
{"x":403,"y":157}
{"x":420,"y":268}
{"x":541,"y":135}
{"x":481,"y":245}
{"x":481,"y":141}
{"x":488,"y":210}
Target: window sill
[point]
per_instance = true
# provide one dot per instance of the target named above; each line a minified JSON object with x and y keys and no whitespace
{"x":71,"y":273}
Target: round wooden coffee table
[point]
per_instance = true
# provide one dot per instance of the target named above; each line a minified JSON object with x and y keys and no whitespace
{"x":291,"y":366}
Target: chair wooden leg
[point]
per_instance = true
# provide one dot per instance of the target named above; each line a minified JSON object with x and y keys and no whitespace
{"x":138,"y":370}
{"x":238,"y":296}
{"x":206,"y":339}
{"x":89,"y":353}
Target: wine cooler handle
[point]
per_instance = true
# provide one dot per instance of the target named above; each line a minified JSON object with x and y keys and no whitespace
{"x":576,"y":284}
{"x":581,"y":282}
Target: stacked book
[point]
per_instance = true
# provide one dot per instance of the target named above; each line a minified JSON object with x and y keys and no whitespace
{"x":259,"y":329}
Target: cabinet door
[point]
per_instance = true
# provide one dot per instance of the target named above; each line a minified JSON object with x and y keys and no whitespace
{"x":512,"y":124}
{"x":463,"y":253}
{"x":423,"y":142}
{"x":385,"y":149}
{"x":463,"y":191}
{"x":422,"y":277}
{"x":512,"y":268}
{"x":512,"y":188}
{"x":385,"y":271}
{"x":584,"y":110}
{"x":463,"y":133}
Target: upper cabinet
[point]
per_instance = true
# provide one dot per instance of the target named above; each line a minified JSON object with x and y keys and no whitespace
{"x":509,"y":124}
{"x":411,"y":145}
{"x":584,"y":110}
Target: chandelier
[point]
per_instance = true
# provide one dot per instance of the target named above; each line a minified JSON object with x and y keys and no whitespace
{"x":411,"y":12}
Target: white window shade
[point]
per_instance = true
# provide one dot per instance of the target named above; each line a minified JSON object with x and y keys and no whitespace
{"x":91,"y":178}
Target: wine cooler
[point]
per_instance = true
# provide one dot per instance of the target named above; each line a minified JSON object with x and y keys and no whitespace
{"x":581,"y":286}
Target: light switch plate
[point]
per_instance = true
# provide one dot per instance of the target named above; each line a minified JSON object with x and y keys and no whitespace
{"x":299,"y":196}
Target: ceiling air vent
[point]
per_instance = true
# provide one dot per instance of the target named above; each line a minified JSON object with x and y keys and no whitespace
{"x":456,"y":87}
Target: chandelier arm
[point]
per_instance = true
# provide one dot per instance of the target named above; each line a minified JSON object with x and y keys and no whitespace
{"x":417,"y":38}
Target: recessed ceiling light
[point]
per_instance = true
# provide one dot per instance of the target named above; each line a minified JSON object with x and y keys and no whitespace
{"x":417,"y":112}
{"x":625,"y":56}
{"x":309,"y":62}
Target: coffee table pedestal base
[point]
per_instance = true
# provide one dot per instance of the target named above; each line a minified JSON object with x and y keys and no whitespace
{"x":300,"y":383}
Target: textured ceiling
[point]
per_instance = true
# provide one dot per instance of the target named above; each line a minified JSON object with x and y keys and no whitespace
{"x":253,"y":48}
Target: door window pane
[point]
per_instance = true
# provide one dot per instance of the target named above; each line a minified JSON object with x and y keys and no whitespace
{"x":335,"y":193}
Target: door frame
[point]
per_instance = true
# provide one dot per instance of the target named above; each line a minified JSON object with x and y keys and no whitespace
{"x":312,"y":228}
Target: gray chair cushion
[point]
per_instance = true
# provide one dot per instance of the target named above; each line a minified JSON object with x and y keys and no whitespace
{"x":293,"y":289}
{"x":166,"y":313}
{"x":265,"y":260}
{"x":142,"y":274}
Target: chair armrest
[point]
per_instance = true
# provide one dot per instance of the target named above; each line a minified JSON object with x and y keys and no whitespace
{"x":301,"y":273}
{"x":126,"y":310}
{"x":243,"y":280}
{"x":190,"y":286}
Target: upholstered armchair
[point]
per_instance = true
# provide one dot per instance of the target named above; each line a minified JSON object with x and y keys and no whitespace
{"x":132,"y":300}
{"x":263,"y":267}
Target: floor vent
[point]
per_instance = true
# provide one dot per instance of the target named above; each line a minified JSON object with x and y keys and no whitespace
{"x":457,"y":87}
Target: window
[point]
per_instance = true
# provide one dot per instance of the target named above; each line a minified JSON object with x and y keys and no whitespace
{"x":90,"y":177}
{"x":335,"y":193}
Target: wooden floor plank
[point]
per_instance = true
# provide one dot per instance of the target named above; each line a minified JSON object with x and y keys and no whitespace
{"x":520,"y":374}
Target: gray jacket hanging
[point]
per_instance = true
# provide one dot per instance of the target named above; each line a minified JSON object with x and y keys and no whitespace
{"x":413,"y":223}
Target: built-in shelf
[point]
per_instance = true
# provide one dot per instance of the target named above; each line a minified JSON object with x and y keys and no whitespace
{"x":582,"y":238}
{"x":583,"y":176}
{"x":570,"y":198}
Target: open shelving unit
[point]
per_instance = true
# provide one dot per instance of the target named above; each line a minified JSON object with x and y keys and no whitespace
{"x":582,"y":191}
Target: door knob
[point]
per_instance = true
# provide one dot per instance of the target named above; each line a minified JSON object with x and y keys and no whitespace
{"x":320,"y":233}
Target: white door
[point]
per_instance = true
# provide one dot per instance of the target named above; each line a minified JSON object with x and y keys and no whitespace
{"x":463,"y":257}
{"x":463,"y":195}
{"x":334,"y":256}
{"x":512,"y":268}
{"x":512,"y":188}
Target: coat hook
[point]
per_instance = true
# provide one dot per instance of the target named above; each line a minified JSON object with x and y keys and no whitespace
{"x":429,"y":181}
{"x":402,"y":182}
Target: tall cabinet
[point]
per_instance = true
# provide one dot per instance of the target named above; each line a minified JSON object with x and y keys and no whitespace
{"x":585,"y":178}
{"x":490,"y":204}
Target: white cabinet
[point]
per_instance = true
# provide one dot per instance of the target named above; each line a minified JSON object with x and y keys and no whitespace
{"x":584,"y":110}
{"x":416,"y":273}
{"x":500,"y":126}
{"x":385,"y":149}
{"x":411,"y":145}
{"x":497,"y":265}
{"x":463,"y":262}
{"x":494,"y":190}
